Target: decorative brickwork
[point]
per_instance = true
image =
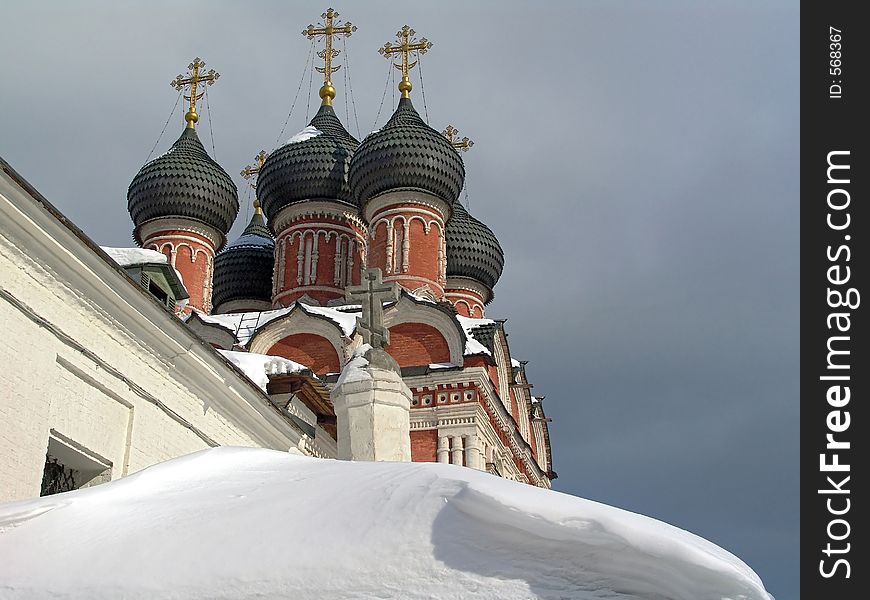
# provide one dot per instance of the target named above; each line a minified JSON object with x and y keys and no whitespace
{"x":192,"y":255}
{"x":317,"y":256}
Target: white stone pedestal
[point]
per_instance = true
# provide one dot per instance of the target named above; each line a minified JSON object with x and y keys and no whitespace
{"x":372,"y":408}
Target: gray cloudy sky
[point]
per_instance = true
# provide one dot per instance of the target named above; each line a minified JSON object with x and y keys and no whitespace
{"x":638,"y":161}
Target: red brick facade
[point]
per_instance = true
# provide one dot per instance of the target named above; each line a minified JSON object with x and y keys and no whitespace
{"x":315,"y":352}
{"x":467,"y":303}
{"x":408,"y":246}
{"x":424,"y":446}
{"x":317,"y":256}
{"x":416,"y":344}
{"x":192,"y":255}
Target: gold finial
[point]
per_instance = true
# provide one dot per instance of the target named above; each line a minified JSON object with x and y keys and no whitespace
{"x":451,"y":133}
{"x":328,"y":29}
{"x":405,"y":47}
{"x":251,"y":172}
{"x":258,"y":210}
{"x":194,"y":77}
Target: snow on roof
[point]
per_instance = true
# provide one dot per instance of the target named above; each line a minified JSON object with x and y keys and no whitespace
{"x":469,"y":324}
{"x":344,"y":318}
{"x":244,"y":325}
{"x":444,"y":365}
{"x":306,"y":134}
{"x":258,"y":367}
{"x":128,"y":257}
{"x":249,"y":239}
{"x":216,"y":524}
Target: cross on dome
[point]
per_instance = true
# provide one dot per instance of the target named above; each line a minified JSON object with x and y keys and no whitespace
{"x":194,"y":78}
{"x":405,"y":47}
{"x":328,"y":30}
{"x":452,"y":134}
{"x":251,"y":172}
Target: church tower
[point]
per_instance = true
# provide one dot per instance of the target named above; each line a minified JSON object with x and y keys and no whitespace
{"x":183,"y":203}
{"x":406,"y":178}
{"x":243,"y":270}
{"x":320,"y":240}
{"x":474,"y":257}
{"x":474,"y":263}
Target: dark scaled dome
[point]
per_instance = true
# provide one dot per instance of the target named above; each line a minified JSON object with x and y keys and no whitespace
{"x":184,"y":182}
{"x":472,"y":249}
{"x":406,"y":154}
{"x":314,"y":168}
{"x":243,"y":270}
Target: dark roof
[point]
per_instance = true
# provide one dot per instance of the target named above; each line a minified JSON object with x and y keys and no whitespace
{"x":313,"y":169}
{"x":243,"y":271}
{"x":472,"y":249}
{"x":184,"y":182}
{"x":485,"y":334}
{"x":406,"y":154}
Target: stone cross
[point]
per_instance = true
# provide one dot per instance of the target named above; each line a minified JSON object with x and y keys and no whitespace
{"x":372,"y":294}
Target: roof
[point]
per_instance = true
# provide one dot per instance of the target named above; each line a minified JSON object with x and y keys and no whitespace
{"x":243,"y":270}
{"x":480,"y":334}
{"x":184,"y":182}
{"x":473,"y":250}
{"x":245,"y":325}
{"x":131,"y":259}
{"x":406,"y":154}
{"x":312,"y":165}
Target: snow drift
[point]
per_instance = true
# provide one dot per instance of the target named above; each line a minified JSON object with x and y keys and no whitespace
{"x":248,"y":523}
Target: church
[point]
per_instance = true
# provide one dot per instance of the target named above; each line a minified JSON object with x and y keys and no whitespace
{"x":347,"y":321}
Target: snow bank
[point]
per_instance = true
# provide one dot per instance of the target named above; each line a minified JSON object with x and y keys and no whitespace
{"x":258,"y":367}
{"x":306,"y":134}
{"x":127,"y":257}
{"x":247,"y":523}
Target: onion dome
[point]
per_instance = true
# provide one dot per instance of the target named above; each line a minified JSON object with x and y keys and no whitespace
{"x":312,"y":165}
{"x":243,"y":270}
{"x":184,"y":182}
{"x":406,"y":154}
{"x":472,"y":249}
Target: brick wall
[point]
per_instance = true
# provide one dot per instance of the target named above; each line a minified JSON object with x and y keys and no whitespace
{"x":313,"y":351}
{"x":193,"y":258}
{"x":423,"y":268}
{"x":415,"y":344}
{"x":292,"y":286}
{"x":424,"y":446}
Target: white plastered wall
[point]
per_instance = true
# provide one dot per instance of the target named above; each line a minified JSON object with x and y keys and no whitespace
{"x":88,"y":354}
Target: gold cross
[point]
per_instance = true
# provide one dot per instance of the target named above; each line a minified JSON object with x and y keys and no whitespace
{"x":405,"y":47}
{"x":251,"y":172}
{"x":329,"y":29}
{"x":193,"y":79}
{"x":451,"y":133}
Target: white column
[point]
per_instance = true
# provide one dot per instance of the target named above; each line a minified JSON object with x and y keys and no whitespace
{"x":443,"y":449}
{"x":457,"y":450}
{"x":472,"y":452}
